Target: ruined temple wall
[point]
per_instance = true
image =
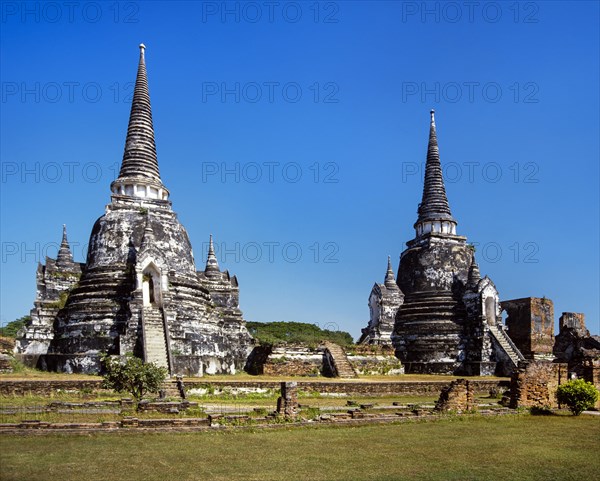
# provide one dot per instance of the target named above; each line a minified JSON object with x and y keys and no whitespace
{"x":530,"y":325}
{"x":294,"y":360}
{"x":459,"y":396}
{"x":573,"y":320}
{"x":374,"y":360}
{"x":302,"y":360}
{"x":350,"y":388}
{"x":534,"y":384}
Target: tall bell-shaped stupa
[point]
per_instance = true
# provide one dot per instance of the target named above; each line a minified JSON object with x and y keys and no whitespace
{"x":139,"y":291}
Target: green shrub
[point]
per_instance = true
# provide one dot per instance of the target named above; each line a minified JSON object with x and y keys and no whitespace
{"x":132,"y":375}
{"x":578,"y":394}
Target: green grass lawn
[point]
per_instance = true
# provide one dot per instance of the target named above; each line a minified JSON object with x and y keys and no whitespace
{"x":457,"y":448}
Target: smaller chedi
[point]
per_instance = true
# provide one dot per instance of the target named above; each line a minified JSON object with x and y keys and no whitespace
{"x":440,"y":315}
{"x":54,"y":281}
{"x":384,"y":301}
{"x":139,"y":291}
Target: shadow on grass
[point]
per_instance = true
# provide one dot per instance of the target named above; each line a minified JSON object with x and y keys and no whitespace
{"x":541,"y":411}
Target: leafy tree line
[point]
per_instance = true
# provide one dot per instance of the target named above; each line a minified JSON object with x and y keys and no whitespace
{"x":11,"y":329}
{"x":275,"y":333}
{"x":264,"y":332}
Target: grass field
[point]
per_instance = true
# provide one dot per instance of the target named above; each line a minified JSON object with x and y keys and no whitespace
{"x":457,"y":448}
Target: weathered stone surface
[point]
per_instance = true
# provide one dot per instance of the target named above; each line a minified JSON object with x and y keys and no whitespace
{"x":530,"y":324}
{"x":534,"y":384}
{"x":291,"y":360}
{"x":384,"y":302}
{"x":574,"y":342}
{"x":166,"y":407}
{"x":374,"y":360}
{"x":139,"y":291}
{"x":459,"y":396}
{"x":287,"y":404}
{"x":336,"y":363}
{"x":581,"y":351}
{"x":55,"y":280}
{"x":300,"y":360}
{"x":447,"y":318}
{"x":349,"y":388}
{"x":7,"y":347}
{"x":575,"y":321}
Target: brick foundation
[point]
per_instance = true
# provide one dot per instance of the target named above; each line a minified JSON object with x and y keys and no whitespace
{"x":534,"y":384}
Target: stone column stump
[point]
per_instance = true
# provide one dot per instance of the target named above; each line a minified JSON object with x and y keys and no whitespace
{"x":287,"y":404}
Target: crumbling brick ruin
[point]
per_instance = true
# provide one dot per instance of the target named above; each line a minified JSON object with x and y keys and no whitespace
{"x":7,"y":346}
{"x":459,"y":396}
{"x":302,"y":360}
{"x":578,"y":349}
{"x":287,"y":403}
{"x":534,"y":384}
{"x":530,"y":324}
{"x":574,"y":344}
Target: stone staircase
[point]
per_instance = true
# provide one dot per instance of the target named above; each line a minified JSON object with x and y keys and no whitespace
{"x":171,"y":390}
{"x":155,"y":342}
{"x":507,"y":345}
{"x":339,"y":361}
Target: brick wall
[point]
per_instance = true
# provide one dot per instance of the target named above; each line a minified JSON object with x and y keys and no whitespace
{"x":534,"y":384}
{"x":458,"y":396}
{"x":44,"y":388}
{"x":530,"y":325}
{"x":414,"y":388}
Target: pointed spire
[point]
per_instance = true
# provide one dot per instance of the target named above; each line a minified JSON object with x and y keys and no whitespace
{"x":140,"y":163}
{"x":474,"y":274}
{"x":390,"y":280}
{"x":434,"y":204}
{"x":212,"y":265}
{"x":64,"y":257}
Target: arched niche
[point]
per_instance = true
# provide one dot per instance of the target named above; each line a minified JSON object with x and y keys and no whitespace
{"x":151,"y":286}
{"x":489,"y":304}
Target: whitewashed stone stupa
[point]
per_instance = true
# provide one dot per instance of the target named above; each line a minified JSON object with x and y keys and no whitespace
{"x":138,"y":291}
{"x":441,"y":316}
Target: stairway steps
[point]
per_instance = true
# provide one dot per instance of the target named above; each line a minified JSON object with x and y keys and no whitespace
{"x":340,"y":360}
{"x":154,"y":337}
{"x":500,"y":336}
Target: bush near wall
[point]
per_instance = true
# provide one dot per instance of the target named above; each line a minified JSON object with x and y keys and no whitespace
{"x":578,"y":394}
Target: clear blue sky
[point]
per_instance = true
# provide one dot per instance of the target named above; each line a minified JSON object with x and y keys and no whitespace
{"x":296,"y":133}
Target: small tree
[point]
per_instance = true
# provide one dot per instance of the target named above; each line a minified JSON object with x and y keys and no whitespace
{"x":132,"y":375}
{"x":12,"y":328}
{"x":578,"y":394}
